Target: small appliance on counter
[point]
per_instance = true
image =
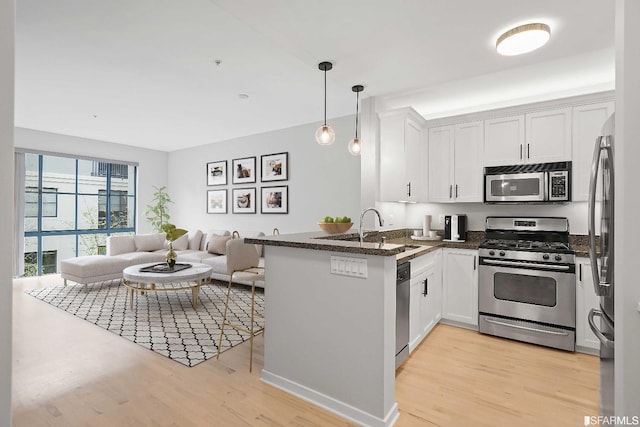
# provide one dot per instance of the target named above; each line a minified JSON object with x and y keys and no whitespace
{"x":455,"y":228}
{"x":426,"y":233}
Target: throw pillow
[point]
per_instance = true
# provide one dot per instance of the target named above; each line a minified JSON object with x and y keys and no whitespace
{"x":217,"y":244}
{"x":195,"y":237}
{"x":149,"y":242}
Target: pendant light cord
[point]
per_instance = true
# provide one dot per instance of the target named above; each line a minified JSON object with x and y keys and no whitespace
{"x":325,"y":97}
{"x":357,"y":105}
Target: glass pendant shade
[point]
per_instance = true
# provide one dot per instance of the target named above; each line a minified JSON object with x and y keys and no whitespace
{"x":325,"y":135}
{"x":354,"y":146}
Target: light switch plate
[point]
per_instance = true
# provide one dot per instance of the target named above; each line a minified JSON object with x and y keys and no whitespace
{"x":347,"y":266}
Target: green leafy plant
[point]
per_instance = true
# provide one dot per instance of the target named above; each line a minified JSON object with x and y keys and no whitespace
{"x":172,"y":232}
{"x":157,"y":212}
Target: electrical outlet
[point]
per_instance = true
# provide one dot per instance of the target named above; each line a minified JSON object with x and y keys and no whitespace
{"x":441,"y":219}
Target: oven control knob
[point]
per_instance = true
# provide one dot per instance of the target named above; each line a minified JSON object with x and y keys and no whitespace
{"x":501,"y":253}
{"x":492,"y":253}
{"x":558,"y":258}
{"x":545,"y":257}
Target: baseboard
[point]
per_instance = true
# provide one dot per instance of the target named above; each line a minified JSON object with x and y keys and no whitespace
{"x":329,"y":403}
{"x":588,"y":350}
{"x":458,"y":324}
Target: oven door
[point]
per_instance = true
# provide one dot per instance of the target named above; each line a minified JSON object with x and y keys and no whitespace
{"x":520,"y":187}
{"x":535,"y":292}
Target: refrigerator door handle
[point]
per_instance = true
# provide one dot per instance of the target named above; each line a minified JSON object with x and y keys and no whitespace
{"x":602,"y":288}
{"x":606,"y":342}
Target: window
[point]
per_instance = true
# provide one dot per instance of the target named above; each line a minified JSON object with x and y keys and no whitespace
{"x":49,"y":202}
{"x":49,"y":262}
{"x":72,"y":206}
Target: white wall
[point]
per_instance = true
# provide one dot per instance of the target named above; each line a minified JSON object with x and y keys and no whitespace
{"x":323,"y":180}
{"x":152,"y":169}
{"x":7,"y":37}
{"x":477,"y":212}
{"x":627,"y":205}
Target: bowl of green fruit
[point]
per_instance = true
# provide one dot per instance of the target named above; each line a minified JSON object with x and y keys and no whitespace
{"x":336,"y":225}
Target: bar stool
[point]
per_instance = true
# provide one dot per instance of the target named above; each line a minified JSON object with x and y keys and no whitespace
{"x":242,"y":264}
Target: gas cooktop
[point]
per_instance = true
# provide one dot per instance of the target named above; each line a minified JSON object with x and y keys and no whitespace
{"x":513,"y":244}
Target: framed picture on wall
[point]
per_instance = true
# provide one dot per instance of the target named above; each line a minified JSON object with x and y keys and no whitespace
{"x":244,"y":200}
{"x":216,"y":201}
{"x":217,"y":173}
{"x":275,"y":167}
{"x":244,"y":170}
{"x":275,"y":199}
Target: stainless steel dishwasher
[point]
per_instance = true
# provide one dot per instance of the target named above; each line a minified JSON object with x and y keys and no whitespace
{"x":403,"y":278}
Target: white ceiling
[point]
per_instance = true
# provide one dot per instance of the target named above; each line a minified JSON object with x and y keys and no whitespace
{"x":143,"y":72}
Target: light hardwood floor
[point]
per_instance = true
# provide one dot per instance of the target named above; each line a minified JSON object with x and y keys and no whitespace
{"x":68,"y":372}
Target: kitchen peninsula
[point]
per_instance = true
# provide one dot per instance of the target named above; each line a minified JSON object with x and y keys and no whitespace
{"x":330,"y":316}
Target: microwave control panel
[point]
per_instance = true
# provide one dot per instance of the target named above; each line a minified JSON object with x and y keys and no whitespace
{"x":559,"y":186}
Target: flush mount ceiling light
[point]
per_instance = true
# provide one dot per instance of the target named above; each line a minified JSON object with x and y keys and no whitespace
{"x":355,"y":145}
{"x":523,"y":39}
{"x":325,"y":135}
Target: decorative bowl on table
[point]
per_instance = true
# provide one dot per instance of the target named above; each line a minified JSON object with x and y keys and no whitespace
{"x":335,"y":227}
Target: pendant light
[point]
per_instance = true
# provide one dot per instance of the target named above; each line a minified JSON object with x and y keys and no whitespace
{"x":355,"y":145}
{"x":325,"y":135}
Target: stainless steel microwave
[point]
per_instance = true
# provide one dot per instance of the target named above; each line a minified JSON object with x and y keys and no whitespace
{"x":530,"y":183}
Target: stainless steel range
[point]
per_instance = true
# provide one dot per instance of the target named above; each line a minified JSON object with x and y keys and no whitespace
{"x":527,"y":284}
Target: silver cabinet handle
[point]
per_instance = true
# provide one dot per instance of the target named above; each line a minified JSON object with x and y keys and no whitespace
{"x":450,"y":189}
{"x":409,"y":189}
{"x":528,"y":152}
{"x":520,"y":151}
{"x":456,"y":191}
{"x":426,"y":287}
{"x":474,"y":263}
{"x":596,"y":331}
{"x":525,"y":328}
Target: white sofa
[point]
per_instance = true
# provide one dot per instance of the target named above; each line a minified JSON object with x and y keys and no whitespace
{"x":123,"y":251}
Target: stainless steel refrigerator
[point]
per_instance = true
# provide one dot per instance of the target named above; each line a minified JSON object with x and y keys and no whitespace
{"x":602,"y":259}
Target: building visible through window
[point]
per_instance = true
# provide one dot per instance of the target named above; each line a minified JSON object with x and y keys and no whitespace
{"x":49,"y":202}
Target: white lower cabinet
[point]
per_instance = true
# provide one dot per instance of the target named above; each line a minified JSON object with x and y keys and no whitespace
{"x":460,"y":286}
{"x":586,"y":299}
{"x":425,"y":303}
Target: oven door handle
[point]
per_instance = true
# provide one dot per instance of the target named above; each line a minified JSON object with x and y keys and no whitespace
{"x":527,"y":264}
{"x":526,"y":328}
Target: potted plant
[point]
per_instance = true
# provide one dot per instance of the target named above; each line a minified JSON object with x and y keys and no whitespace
{"x":157,"y":212}
{"x":172,"y":233}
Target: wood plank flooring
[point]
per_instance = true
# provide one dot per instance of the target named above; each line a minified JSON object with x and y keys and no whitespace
{"x":68,"y":372}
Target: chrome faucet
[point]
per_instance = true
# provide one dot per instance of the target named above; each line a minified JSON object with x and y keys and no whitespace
{"x":360,"y":234}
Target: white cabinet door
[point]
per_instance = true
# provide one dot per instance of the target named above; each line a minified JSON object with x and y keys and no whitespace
{"x":586,"y":299}
{"x":467,"y":175}
{"x":503,"y":141}
{"x":432,"y":295}
{"x":402,"y":157}
{"x":460,"y":286}
{"x":440,"y":150}
{"x":416,"y":331}
{"x":415,"y":161}
{"x":587,"y":126}
{"x":548,"y":136}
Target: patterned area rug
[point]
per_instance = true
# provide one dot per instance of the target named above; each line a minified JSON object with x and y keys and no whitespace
{"x":164,"y":322}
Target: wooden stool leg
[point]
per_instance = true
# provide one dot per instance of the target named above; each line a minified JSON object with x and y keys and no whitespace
{"x":224,"y":318}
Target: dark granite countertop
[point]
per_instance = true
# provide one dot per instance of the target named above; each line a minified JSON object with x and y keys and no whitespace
{"x":396,"y":243}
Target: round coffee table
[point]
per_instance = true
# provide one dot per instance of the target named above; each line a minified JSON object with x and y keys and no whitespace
{"x":142,"y":281}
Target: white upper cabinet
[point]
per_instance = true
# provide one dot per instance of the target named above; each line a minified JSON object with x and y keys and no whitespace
{"x":587,"y":126}
{"x":548,"y":136}
{"x":440,"y":163}
{"x":539,"y":137}
{"x":402,"y":157}
{"x":503,"y":141}
{"x":455,"y":173}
